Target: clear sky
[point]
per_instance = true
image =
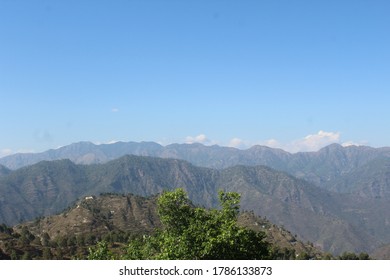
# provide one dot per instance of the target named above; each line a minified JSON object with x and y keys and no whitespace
{"x":291,"y":74}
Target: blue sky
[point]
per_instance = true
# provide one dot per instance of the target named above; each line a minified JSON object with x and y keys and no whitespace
{"x":291,"y":74}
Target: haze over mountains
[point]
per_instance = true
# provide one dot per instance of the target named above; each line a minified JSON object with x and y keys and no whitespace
{"x":337,"y":198}
{"x":333,"y":162}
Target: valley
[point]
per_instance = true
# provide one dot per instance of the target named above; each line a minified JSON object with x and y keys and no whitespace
{"x":336,"y":198}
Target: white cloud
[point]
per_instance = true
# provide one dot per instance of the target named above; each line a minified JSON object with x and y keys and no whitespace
{"x":201,"y":138}
{"x":5,"y":152}
{"x":105,"y":142}
{"x":237,"y":143}
{"x":272,"y":143}
{"x":314,"y":142}
{"x":309,"y":143}
{"x":115,"y":110}
{"x":352,"y":143}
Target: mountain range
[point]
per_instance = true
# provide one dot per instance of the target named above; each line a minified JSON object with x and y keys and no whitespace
{"x":337,"y":198}
{"x":328,"y":164}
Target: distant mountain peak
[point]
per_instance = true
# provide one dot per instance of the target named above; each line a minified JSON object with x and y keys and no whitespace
{"x":333,"y":146}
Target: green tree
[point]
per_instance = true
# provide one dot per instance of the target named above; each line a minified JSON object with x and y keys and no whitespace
{"x":46,"y":254}
{"x":45,"y":239}
{"x":25,"y":237}
{"x":364,"y":256}
{"x":4,"y":256}
{"x":353,"y":256}
{"x":100,"y":252}
{"x":196,"y":233}
{"x":27,"y":255}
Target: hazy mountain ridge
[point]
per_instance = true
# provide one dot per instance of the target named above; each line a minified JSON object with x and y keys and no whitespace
{"x":360,"y":175}
{"x":4,"y":170}
{"x":369,"y":180}
{"x":313,"y":213}
{"x":83,"y":153}
{"x":325,"y":167}
{"x":50,"y":186}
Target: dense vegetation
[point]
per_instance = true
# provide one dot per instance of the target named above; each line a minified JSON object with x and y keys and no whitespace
{"x":127,"y":226}
{"x":197,"y":233}
{"x":351,"y":217}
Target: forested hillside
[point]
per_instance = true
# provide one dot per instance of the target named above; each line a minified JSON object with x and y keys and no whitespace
{"x":333,"y":221}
